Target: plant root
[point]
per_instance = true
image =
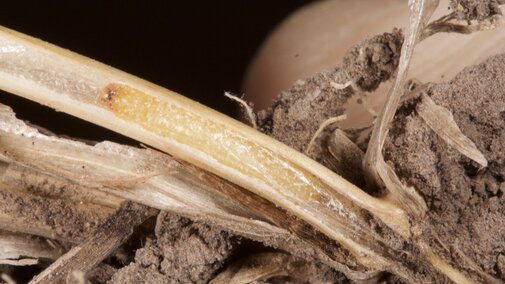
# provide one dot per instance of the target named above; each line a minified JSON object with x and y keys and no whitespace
{"x":246,"y":107}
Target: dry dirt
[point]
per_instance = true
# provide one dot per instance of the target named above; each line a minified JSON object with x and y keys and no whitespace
{"x":466,"y":203}
{"x":475,"y":9}
{"x":181,"y":251}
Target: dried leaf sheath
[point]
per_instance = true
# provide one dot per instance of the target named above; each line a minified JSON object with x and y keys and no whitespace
{"x":378,"y":172}
{"x":52,"y":162}
{"x":194,"y":133}
{"x":142,"y":175}
{"x":441,"y":121}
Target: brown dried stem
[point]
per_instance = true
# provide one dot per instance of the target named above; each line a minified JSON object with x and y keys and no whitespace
{"x":449,"y":24}
{"x":107,"y":238}
{"x":193,"y":133}
{"x":21,"y":249}
{"x":49,"y":170}
{"x":320,"y":203}
{"x":376,"y":169}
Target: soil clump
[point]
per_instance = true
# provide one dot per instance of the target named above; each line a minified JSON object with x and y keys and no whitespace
{"x":476,"y":9}
{"x":182,"y":251}
{"x":466,"y":203}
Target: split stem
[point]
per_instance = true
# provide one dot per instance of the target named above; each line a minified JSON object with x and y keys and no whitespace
{"x":189,"y":131}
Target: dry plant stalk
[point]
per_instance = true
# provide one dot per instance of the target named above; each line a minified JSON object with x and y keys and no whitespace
{"x":106,"y":171}
{"x":378,"y":172}
{"x":103,"y":175}
{"x":449,"y":24}
{"x":20,"y":249}
{"x":220,"y":145}
{"x":196,"y":134}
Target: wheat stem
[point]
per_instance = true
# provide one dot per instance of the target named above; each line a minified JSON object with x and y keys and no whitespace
{"x":189,"y":131}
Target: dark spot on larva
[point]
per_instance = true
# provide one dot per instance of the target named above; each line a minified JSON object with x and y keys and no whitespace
{"x":109,"y":93}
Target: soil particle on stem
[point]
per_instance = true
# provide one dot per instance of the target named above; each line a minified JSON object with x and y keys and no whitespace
{"x":464,"y":222}
{"x":181,"y":252}
{"x":476,"y":9}
{"x":374,"y":61}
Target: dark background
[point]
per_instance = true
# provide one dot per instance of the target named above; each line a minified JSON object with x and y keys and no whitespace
{"x":197,"y":48}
